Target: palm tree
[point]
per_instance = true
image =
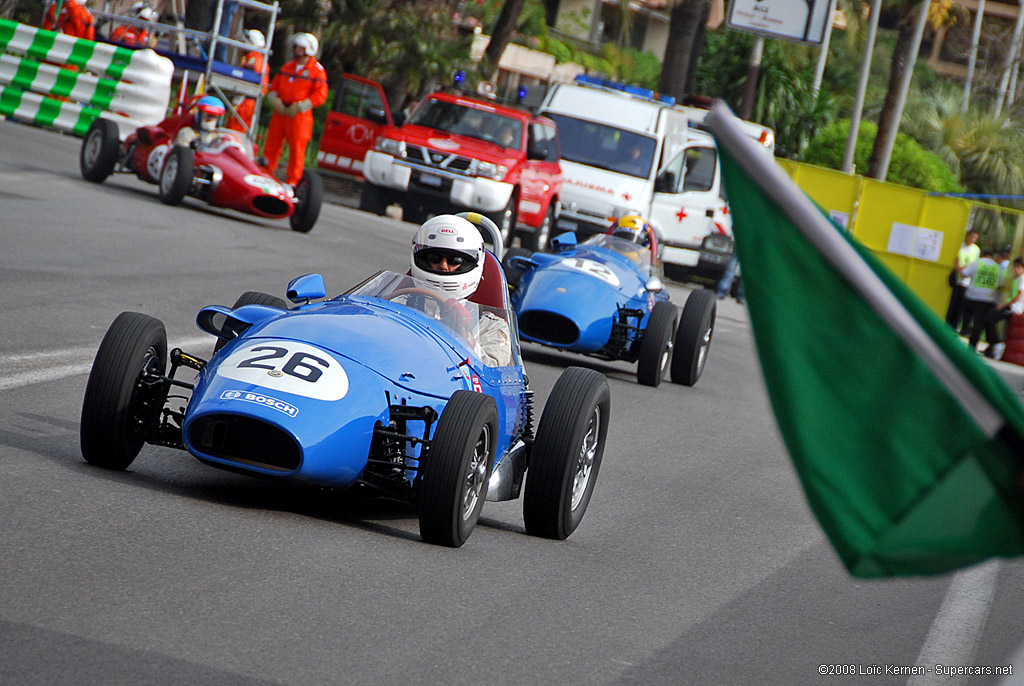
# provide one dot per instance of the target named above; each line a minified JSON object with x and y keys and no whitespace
{"x":687,"y":19}
{"x":501,"y":35}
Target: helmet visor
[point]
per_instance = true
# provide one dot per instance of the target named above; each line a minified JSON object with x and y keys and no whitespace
{"x":444,"y":261}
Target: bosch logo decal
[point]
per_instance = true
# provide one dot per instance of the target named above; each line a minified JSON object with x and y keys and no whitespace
{"x":260,"y":399}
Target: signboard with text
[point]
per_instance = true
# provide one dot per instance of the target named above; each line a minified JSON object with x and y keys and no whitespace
{"x":804,"y":21}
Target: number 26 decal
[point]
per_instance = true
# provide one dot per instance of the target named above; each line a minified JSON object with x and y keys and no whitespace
{"x":288,"y":366}
{"x":295,"y":366}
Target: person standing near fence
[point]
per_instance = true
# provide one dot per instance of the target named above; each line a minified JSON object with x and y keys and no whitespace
{"x":296,"y":90}
{"x":983,"y":293}
{"x":968,"y":253}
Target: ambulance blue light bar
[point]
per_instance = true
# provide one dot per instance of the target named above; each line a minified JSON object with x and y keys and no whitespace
{"x":635,"y":91}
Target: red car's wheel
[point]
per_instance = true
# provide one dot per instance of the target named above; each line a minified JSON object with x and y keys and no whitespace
{"x":98,"y":155}
{"x":176,"y":176}
{"x":309,"y":196}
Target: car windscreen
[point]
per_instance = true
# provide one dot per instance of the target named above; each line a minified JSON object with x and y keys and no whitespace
{"x":604,"y":146}
{"x":470,"y":121}
{"x":635,"y":253}
{"x":426,"y":299}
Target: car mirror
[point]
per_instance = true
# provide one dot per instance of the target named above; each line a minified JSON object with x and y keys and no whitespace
{"x":654,"y":285}
{"x":377,"y":115}
{"x":565,"y":241}
{"x":537,"y":150}
{"x":666,"y":183}
{"x":522,"y":263}
{"x":306,"y":288}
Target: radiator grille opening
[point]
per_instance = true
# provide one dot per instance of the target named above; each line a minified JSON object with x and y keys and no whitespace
{"x":245,"y":440}
{"x":270,"y":205}
{"x":548,"y":326}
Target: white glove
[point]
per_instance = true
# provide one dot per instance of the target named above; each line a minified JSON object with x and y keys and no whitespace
{"x":305,"y":105}
{"x":275,"y":102}
{"x":292,"y":110}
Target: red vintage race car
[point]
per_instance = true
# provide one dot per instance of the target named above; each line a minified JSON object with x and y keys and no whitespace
{"x":218,"y":168}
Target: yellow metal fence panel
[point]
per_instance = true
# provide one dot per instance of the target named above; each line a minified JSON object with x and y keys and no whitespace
{"x":914,"y":234}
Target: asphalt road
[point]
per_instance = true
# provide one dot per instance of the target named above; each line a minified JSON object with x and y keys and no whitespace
{"x":698,"y":561}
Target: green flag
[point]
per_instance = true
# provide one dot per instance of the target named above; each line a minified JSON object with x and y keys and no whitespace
{"x":907,"y":445}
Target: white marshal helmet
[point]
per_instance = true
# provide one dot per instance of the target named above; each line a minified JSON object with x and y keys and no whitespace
{"x":142,"y":10}
{"x":449,"y":236}
{"x":256,"y":38}
{"x":308,"y":42}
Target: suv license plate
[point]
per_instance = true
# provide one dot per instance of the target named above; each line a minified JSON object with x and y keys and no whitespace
{"x":430,"y":180}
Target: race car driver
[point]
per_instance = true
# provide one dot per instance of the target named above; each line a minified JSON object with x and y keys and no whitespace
{"x":638,"y":230}
{"x":448,"y":254}
{"x":298,"y":88}
{"x":203,"y":132}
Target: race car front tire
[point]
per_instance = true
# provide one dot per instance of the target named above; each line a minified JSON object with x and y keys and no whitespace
{"x":566,"y":454}
{"x":176,"y":175}
{"x":310,"y":196}
{"x":457,"y":468}
{"x":657,"y":343}
{"x":693,"y":338}
{"x":119,"y":409}
{"x":98,"y":155}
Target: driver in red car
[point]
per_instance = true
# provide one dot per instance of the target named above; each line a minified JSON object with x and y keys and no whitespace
{"x":448,"y":254}
{"x":203,"y":132}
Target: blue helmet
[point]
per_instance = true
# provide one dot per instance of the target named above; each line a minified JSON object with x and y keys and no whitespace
{"x":209,"y":111}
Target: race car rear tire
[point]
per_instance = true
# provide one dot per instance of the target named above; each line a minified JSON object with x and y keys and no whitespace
{"x":176,"y":175}
{"x":657,"y":343}
{"x":693,"y":339}
{"x":539,"y":238}
{"x":310,"y":196}
{"x":372,"y":199}
{"x":513,"y":275}
{"x":253,"y":298}
{"x":456,"y":469}
{"x":566,"y":454}
{"x":98,"y":155}
{"x":119,"y":410}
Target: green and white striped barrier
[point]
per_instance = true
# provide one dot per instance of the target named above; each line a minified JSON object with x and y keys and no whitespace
{"x":130,"y":87}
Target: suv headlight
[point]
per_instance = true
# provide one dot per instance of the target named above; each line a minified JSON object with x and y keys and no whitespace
{"x":491,"y":170}
{"x":389,"y":146}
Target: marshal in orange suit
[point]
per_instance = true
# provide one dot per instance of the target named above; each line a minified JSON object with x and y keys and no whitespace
{"x":299,"y":88}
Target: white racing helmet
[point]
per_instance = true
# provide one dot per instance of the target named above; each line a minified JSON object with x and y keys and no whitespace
{"x":308,"y":42}
{"x":255,"y":36}
{"x":142,"y":10}
{"x":457,"y":240}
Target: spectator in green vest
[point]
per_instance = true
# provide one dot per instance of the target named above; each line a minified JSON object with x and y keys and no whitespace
{"x":982,"y":295}
{"x":968,"y":252}
{"x":1003,"y":311}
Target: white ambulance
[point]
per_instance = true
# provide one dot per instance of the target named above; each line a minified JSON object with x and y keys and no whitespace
{"x":626,"y":150}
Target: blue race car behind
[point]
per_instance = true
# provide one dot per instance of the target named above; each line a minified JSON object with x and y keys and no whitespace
{"x":604,"y":298}
{"x":370,"y":388}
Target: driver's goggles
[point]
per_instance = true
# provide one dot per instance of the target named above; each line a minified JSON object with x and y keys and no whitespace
{"x":454,"y":259}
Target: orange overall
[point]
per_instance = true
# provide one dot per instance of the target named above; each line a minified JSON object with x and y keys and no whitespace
{"x":252,"y":60}
{"x":294,"y":84}
{"x":74,"y":20}
{"x":130,"y":35}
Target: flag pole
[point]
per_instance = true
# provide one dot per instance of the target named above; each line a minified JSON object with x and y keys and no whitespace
{"x":758,"y":164}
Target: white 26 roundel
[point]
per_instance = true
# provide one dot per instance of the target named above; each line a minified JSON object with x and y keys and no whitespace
{"x":287,"y":366}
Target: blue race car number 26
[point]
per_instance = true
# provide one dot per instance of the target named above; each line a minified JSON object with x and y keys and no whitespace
{"x":288,"y":366}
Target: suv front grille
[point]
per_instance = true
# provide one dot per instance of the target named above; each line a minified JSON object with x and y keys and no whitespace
{"x":424,"y":157}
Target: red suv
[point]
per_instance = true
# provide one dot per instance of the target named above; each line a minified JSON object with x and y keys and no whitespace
{"x":461,"y":153}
